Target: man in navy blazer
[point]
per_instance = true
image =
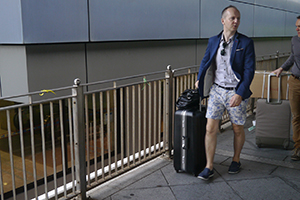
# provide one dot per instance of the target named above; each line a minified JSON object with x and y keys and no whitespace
{"x":225,"y":75}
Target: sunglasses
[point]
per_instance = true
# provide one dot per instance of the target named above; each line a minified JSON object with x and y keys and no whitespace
{"x":223,"y":50}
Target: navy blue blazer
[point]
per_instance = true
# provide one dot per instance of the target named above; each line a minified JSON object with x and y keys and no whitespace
{"x":242,"y":61}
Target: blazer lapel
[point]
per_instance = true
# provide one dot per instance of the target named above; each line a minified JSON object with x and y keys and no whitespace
{"x":234,"y":46}
{"x":215,"y":47}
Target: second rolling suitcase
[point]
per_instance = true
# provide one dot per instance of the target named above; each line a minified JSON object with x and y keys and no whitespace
{"x":273,"y":121}
{"x":189,"y":134}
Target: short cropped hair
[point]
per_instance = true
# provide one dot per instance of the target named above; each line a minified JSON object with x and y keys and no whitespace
{"x":298,"y":17}
{"x":230,"y":6}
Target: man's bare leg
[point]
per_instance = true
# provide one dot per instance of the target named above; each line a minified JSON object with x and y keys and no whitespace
{"x":212,"y":128}
{"x":238,"y":142}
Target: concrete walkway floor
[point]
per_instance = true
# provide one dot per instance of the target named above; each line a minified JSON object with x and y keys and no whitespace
{"x":267,"y":173}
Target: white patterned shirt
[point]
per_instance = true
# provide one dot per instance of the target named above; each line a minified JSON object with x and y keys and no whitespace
{"x":224,"y":76}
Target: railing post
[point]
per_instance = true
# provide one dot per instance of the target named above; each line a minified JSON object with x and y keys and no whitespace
{"x":169,"y":110}
{"x":79,"y":138}
{"x":277,"y":60}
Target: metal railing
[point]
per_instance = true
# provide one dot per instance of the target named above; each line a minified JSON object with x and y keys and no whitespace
{"x":82,"y":135}
{"x":62,"y":142}
{"x":271,"y":61}
{"x":35,"y":139}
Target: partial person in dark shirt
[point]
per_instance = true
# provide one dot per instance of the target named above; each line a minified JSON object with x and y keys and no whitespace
{"x":294,"y":88}
{"x":227,"y":67}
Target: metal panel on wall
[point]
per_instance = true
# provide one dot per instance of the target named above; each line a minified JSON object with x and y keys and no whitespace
{"x":51,"y":21}
{"x":55,"y":65}
{"x":211,"y":17}
{"x":268,"y":22}
{"x":293,"y":6}
{"x":120,"y":59}
{"x":10,"y":22}
{"x":143,"y":20}
{"x":278,"y":4}
{"x":247,"y":18}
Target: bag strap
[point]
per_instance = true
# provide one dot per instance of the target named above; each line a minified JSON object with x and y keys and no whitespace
{"x":200,"y":103}
{"x":200,"y":107}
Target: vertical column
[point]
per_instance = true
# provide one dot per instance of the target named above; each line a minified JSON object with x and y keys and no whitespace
{"x":79,"y":138}
{"x":168,"y":111}
{"x":277,"y":60}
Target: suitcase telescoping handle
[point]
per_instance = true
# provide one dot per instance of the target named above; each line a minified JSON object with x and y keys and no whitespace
{"x":200,"y":103}
{"x":200,"y":107}
{"x":269,"y":89}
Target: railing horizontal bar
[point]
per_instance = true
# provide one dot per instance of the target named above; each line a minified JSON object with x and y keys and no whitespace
{"x":122,"y":86}
{"x":34,"y":93}
{"x":184,"y":68}
{"x":123,"y":78}
{"x":270,"y":58}
{"x":34,"y":103}
{"x":273,"y":54}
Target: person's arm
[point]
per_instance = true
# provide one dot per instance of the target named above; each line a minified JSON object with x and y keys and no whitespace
{"x":286,"y":65}
{"x":248,"y":71}
{"x":196,"y":84}
{"x":203,"y":62}
{"x":277,"y":71}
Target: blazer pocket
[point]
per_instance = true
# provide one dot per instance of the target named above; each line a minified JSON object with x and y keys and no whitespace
{"x":241,"y":49}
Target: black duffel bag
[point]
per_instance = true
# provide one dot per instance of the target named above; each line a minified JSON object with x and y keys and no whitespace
{"x":188,"y":100}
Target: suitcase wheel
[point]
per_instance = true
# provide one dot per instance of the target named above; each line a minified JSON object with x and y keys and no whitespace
{"x":258,"y":144}
{"x":286,"y":144}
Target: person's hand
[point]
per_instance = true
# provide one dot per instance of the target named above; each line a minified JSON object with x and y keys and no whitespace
{"x":277,"y":71}
{"x":235,"y":100}
{"x":196,"y":84}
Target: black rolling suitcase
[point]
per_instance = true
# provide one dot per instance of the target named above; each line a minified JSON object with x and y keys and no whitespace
{"x":189,"y":134}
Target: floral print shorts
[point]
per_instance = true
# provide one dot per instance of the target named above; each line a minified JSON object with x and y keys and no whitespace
{"x":218,"y":101}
